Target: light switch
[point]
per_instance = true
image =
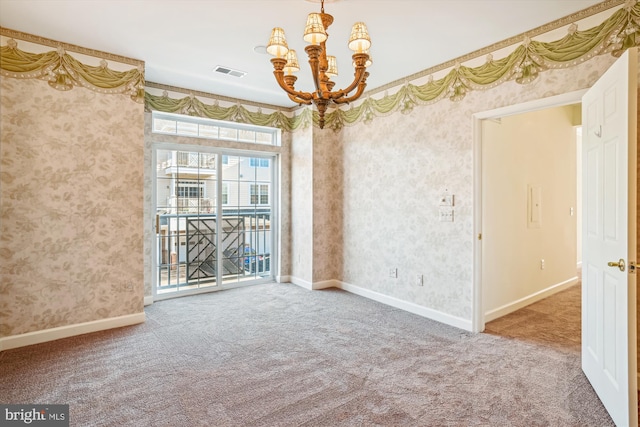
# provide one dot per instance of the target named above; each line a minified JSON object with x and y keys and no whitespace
{"x":446,"y":214}
{"x":446,"y":200}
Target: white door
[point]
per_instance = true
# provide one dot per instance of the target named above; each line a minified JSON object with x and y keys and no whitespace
{"x":609,"y":160}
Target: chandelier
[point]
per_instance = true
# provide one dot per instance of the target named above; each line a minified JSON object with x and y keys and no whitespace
{"x":323,"y":66}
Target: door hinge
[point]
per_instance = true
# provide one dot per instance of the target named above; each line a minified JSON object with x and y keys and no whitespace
{"x":479,"y":236}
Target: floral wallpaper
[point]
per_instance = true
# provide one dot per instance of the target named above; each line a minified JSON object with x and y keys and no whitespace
{"x":302,"y":213}
{"x":70,"y":205}
{"x":327,"y":206}
{"x":395,"y":169}
{"x":316,"y":202}
{"x":285,"y":206}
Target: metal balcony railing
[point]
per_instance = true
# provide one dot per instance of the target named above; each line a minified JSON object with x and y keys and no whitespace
{"x":188,"y":252}
{"x":184,"y":205}
{"x":191,"y":160}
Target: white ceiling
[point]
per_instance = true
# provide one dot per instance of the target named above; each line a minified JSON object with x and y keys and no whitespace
{"x":181,"y":41}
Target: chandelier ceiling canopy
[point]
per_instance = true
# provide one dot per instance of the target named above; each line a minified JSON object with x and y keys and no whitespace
{"x":323,"y":66}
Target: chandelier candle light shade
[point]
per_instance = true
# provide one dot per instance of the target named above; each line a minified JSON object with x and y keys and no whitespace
{"x":323,"y":66}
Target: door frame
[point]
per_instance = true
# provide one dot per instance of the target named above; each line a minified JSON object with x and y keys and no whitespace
{"x":275,"y":213}
{"x":575,"y":97}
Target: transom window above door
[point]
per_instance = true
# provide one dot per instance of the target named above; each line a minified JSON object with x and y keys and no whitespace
{"x":176,"y":124}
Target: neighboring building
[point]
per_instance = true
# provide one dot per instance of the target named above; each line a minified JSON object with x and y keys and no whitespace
{"x":187,"y":206}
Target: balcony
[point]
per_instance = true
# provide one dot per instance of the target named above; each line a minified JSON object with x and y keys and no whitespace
{"x":190,"y":250}
{"x":185,"y":163}
{"x":187,"y":205}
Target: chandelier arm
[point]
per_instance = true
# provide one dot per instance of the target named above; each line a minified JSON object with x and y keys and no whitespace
{"x":299,"y":100}
{"x":278,"y":66}
{"x":351,"y":98}
{"x":359,"y":75}
{"x":361,"y":86}
{"x":360,"y":59}
{"x":291,"y":92}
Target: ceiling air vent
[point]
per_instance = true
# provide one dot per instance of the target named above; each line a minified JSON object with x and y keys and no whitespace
{"x":229,"y":71}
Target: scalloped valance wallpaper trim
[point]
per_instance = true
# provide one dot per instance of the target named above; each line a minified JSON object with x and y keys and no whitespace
{"x":192,"y":106}
{"x":613,"y":36}
{"x":63,"y":72}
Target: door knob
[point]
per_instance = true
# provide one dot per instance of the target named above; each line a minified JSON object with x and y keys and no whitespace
{"x":620,"y":264}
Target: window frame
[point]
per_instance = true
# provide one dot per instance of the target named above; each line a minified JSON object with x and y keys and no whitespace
{"x":204,"y":129}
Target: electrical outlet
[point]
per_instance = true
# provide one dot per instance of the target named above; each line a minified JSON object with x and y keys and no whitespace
{"x":419,"y":280}
{"x":541,"y":264}
{"x":393,"y":273}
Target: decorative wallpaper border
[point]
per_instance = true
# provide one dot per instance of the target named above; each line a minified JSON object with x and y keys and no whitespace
{"x":64,"y":72}
{"x":227,"y":99}
{"x":616,"y":34}
{"x":530,"y":58}
{"x":190,"y":105}
{"x":14,"y":34}
{"x":512,"y":41}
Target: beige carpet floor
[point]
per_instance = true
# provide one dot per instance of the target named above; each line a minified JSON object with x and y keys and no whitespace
{"x":278,"y":355}
{"x":552,"y":322}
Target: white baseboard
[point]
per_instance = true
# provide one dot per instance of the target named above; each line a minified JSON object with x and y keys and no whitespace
{"x":283,"y":279}
{"x":387,"y":300}
{"x":420,"y":310}
{"x":325,"y":284}
{"x":52,"y":334}
{"x":148,"y":300}
{"x":523,"y":302}
{"x":302,"y":283}
{"x":316,"y":285}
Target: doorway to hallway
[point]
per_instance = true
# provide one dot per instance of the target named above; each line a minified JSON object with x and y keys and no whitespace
{"x":530,"y":210}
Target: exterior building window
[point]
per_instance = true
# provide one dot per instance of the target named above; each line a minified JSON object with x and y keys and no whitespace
{"x":225,"y":194}
{"x":259,"y":163}
{"x":225,"y":159}
{"x":190,"y":189}
{"x":259,"y":194}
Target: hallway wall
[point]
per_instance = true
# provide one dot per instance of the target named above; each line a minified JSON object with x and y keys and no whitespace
{"x":527,"y":153}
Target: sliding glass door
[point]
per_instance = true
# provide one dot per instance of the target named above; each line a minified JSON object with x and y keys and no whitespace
{"x":214,"y":215}
{"x":247,"y":195}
